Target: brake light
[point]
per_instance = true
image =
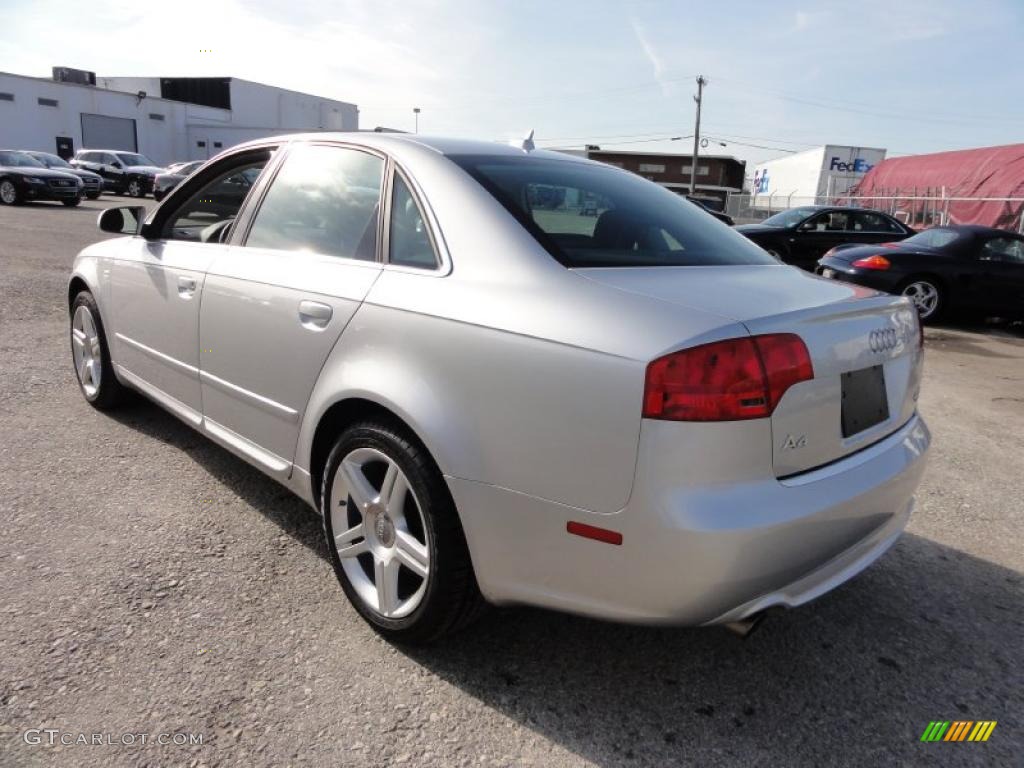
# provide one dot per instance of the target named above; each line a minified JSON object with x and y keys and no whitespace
{"x":873,"y":262}
{"x":726,"y":380}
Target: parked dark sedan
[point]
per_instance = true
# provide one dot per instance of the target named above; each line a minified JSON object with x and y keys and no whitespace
{"x":91,"y":182}
{"x":172,"y":177}
{"x":723,"y":217}
{"x":959,"y":267}
{"x":23,"y":178}
{"x":801,"y":235}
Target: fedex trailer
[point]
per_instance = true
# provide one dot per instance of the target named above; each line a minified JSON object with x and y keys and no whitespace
{"x":812,"y":176}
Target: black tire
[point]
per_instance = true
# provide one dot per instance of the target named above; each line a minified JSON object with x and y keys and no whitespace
{"x":110,"y":393}
{"x":93,"y":195}
{"x":940,"y":296}
{"x":452,"y":598}
{"x":6,"y":197}
{"x":72,"y":203}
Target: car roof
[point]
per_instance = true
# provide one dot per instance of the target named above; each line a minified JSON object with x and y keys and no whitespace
{"x":439,"y":144}
{"x":976,"y":229}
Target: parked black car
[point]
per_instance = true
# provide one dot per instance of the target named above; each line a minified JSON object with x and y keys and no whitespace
{"x":172,"y":177}
{"x":23,"y":178}
{"x":92,"y":183}
{"x":723,"y":217}
{"x":959,"y":267}
{"x":801,"y":235}
{"x":123,"y":172}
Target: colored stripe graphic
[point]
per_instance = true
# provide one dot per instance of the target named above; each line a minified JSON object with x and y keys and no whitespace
{"x":958,"y":730}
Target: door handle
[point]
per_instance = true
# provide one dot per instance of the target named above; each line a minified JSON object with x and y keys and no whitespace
{"x":186,"y":287}
{"x":314,"y":315}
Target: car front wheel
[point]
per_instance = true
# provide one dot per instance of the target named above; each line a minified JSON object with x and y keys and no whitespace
{"x":394,"y":535}
{"x":91,"y":355}
{"x":72,"y":203}
{"x":8,"y":192}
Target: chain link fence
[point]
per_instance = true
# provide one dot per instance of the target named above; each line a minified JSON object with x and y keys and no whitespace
{"x":916,"y":210}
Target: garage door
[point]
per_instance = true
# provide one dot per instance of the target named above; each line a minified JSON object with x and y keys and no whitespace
{"x":104,"y":132}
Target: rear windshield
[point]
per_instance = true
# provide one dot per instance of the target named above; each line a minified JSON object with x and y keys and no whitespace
{"x":933,"y":238}
{"x":589,"y":215}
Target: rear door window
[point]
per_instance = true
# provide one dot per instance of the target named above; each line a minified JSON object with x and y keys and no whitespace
{"x":869,"y":221}
{"x":409,"y":242}
{"x":324,"y":200}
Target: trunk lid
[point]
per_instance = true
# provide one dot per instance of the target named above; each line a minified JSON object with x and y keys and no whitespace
{"x":863,"y":345}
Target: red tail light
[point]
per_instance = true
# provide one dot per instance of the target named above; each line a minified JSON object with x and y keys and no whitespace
{"x":726,"y":380}
{"x":872,"y":262}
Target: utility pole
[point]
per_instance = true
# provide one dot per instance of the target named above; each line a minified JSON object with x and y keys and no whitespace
{"x":701,"y":82}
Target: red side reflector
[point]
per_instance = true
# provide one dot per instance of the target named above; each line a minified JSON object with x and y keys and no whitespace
{"x":873,"y":262}
{"x":593,"y":532}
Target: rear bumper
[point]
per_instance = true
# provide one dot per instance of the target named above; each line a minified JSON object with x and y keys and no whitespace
{"x":881,"y":280}
{"x":703,"y":542}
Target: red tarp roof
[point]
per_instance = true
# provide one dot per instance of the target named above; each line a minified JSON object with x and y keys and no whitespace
{"x":985,"y":172}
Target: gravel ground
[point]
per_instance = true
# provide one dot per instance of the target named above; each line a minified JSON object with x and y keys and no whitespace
{"x":153,"y":583}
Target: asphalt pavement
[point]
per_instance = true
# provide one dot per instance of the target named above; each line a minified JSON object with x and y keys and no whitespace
{"x":155,"y":584}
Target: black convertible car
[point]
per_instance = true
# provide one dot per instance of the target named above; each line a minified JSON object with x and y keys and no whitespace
{"x":800,"y":236}
{"x":958,"y":267}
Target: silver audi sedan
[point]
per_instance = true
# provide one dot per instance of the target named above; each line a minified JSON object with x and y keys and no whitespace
{"x":512,"y":376}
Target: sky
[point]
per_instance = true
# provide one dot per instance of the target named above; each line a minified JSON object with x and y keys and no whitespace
{"x":910,"y":76}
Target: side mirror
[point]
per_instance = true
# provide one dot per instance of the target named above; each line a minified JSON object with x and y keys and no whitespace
{"x":126,"y":220}
{"x":116,"y":164}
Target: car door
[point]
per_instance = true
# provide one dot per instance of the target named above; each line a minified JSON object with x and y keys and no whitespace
{"x":818,"y":234}
{"x":1001,"y":277}
{"x":276,"y":301}
{"x":156,"y":291}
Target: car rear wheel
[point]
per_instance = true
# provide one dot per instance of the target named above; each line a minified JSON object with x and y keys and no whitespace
{"x":394,"y":535}
{"x":926,"y":296}
{"x":72,"y":203}
{"x":93,"y":195}
{"x":91,"y":356}
{"x":134,"y":188}
{"x":8,"y":193}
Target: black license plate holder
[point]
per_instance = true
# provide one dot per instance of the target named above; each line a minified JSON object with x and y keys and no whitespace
{"x":865,"y":403}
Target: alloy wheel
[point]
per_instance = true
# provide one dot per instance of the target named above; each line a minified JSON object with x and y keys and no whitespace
{"x":134,"y":190}
{"x":380,"y":533}
{"x":8,"y":194}
{"x":924,"y":296}
{"x":85,"y":342}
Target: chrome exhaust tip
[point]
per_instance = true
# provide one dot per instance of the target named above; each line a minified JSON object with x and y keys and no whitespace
{"x":746,"y":627}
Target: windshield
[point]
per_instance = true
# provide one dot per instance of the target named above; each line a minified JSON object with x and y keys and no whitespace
{"x":131,"y":158}
{"x":789,"y":218}
{"x":19,"y":160}
{"x":591,"y":215}
{"x":933,"y":238}
{"x":51,"y":161}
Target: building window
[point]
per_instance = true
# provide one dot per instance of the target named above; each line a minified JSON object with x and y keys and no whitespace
{"x":47,"y":102}
{"x":652,"y":167}
{"x":217,"y":144}
{"x":6,"y":97}
{"x":702,"y":170}
{"x":612,"y":162}
{"x":155,"y":116}
{"x":200,"y":144}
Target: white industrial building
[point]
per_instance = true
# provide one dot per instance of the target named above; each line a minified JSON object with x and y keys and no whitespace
{"x":805,"y":177}
{"x":167,"y":119}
